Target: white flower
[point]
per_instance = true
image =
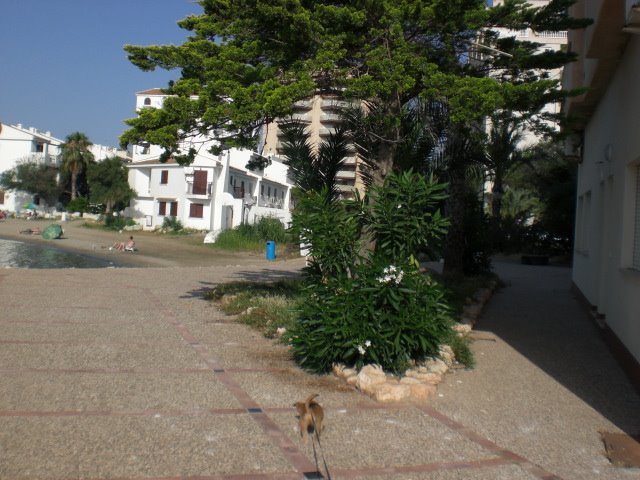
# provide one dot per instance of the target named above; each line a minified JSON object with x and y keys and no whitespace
{"x":391,"y":274}
{"x":361,"y":349}
{"x":367,"y":343}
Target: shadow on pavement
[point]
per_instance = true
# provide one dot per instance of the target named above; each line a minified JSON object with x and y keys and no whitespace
{"x":539,"y":316}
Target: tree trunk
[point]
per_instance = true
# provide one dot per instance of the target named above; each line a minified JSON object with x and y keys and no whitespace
{"x":74,"y":180}
{"x":497,"y":192}
{"x":455,"y":243}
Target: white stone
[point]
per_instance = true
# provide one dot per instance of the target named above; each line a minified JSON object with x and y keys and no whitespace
{"x":338,"y":370}
{"x":369,"y":376}
{"x":435,"y":365}
{"x":386,"y":392}
{"x":350,"y":372}
{"x":421,"y":392}
{"x":446,"y":354}
{"x":352,"y":379}
{"x":462,"y":328}
{"x":431,"y":378}
{"x":410,"y":381}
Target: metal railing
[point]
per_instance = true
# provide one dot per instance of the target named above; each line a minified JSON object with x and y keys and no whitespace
{"x":193,"y":189}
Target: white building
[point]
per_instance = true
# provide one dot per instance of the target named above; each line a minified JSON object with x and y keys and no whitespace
{"x":548,"y":41}
{"x":214,"y":193}
{"x":20,"y":144}
{"x":606,"y":265}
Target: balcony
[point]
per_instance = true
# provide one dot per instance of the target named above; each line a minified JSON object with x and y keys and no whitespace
{"x":44,"y":159}
{"x":330,"y":117}
{"x":200,"y":190}
{"x":334,"y":104}
{"x":270,"y":202}
{"x":303,"y":104}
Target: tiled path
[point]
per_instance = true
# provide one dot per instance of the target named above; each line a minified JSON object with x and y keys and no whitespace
{"x":129,"y":374}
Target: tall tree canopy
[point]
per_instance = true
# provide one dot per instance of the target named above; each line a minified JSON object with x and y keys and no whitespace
{"x":248,"y":61}
{"x":108,"y":183}
{"x":76,"y":157}
{"x":34,"y":178}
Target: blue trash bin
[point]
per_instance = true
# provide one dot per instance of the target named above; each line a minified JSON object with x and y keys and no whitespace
{"x":271,"y":250}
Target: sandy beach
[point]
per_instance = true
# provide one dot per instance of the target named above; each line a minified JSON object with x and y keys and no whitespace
{"x":153,"y":249}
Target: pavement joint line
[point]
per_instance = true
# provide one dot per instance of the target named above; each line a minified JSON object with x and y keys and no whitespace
{"x":290,"y":451}
{"x":106,"y":371}
{"x":421,"y":468}
{"x":507,"y":455}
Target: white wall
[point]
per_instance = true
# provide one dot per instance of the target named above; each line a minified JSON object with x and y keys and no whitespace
{"x":606,"y":204}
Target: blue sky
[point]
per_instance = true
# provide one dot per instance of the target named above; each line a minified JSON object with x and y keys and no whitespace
{"x":63,"y":68}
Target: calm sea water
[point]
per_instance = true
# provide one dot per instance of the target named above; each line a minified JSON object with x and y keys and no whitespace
{"x":28,"y":255}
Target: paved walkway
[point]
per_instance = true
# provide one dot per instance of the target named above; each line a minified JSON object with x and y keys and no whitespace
{"x":129,"y":374}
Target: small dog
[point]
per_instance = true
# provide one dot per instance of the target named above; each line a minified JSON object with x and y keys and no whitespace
{"x":310,"y":416}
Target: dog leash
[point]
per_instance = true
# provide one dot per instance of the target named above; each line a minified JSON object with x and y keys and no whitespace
{"x":313,"y":445}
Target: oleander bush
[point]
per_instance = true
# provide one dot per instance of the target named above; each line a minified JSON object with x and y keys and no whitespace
{"x":366,"y":300}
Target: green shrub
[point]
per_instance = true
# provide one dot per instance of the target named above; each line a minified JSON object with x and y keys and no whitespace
{"x":385,"y":314}
{"x":78,"y":204}
{"x":116,"y":222}
{"x":331,"y":230}
{"x":239,"y":238}
{"x":370,"y":306}
{"x":270,"y":228}
{"x":172,"y":225}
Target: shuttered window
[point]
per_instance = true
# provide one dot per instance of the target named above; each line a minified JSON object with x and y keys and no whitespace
{"x":1,"y":196}
{"x":164,"y":177}
{"x":174,"y":209}
{"x":200,"y":182}
{"x":162,"y":208}
{"x":196,"y":210}
{"x":636,"y":236}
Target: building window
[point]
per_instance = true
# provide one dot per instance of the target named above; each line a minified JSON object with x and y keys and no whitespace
{"x":583,"y":217}
{"x":40,"y":147}
{"x":147,"y":101}
{"x":1,"y":196}
{"x":162,"y":208}
{"x":174,"y":209}
{"x":164,"y":177}
{"x":636,"y":236}
{"x":196,"y":210}
{"x":200,"y":182}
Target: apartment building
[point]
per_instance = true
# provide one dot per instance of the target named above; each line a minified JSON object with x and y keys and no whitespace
{"x":322,"y":114}
{"x":214,"y":193}
{"x":25,"y":144}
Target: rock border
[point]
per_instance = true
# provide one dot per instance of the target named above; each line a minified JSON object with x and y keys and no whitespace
{"x":420,"y":382}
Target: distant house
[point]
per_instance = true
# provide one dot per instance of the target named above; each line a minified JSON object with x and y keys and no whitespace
{"x":20,"y":144}
{"x":214,"y":193}
{"x":606,"y":266}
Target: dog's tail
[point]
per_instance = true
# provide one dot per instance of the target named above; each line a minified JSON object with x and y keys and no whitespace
{"x":309,"y":400}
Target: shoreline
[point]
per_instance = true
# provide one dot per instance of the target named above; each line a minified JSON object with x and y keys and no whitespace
{"x":153,"y":249}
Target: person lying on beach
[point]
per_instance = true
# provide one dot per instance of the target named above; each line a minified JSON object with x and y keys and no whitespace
{"x":130,"y":246}
{"x":30,"y":231}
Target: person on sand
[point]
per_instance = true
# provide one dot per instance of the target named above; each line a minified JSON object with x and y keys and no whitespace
{"x":31,"y":231}
{"x":124,"y":247}
{"x":130,"y":246}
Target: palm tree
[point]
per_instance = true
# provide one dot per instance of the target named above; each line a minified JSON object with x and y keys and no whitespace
{"x":76,"y":157}
{"x":314,"y":169}
{"x":502,"y":154}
